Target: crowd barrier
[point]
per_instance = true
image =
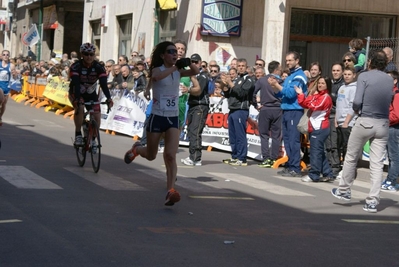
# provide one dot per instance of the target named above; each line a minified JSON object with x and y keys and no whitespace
{"x":128,"y":115}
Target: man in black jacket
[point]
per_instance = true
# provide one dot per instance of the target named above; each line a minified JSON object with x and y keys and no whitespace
{"x":270,"y":115}
{"x":239,"y":95}
{"x":198,"y":109}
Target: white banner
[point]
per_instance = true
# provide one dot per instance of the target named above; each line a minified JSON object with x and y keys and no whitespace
{"x":128,"y":114}
{"x":31,"y":37}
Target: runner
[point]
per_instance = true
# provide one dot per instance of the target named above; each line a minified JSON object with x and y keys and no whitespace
{"x":165,"y":73}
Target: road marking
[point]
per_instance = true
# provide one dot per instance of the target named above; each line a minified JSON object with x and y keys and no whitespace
{"x":3,"y":160}
{"x":219,"y":197}
{"x":23,"y":178}
{"x":261,"y":185}
{"x":10,"y":221}
{"x":105,"y":179}
{"x":370,"y":221}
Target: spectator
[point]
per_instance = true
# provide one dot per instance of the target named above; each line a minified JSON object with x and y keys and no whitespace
{"x":74,"y":57}
{"x":198,"y":109}
{"x":134,"y":54}
{"x":391,"y":66}
{"x":345,"y":117}
{"x":239,"y":97}
{"x":108,"y":68}
{"x":65,"y":70}
{"x":127,"y":79}
{"x":251,"y":71}
{"x":214,"y":74}
{"x":204,"y":66}
{"x":349,"y":59}
{"x":356,"y":48}
{"x":319,"y":105}
{"x":220,"y":86}
{"x":185,"y":82}
{"x":259,"y":73}
{"x":390,"y":183}
{"x":285,"y":74}
{"x":116,"y":72}
{"x":233,"y":64}
{"x":233,"y":74}
{"x":292,"y":113}
{"x":372,"y":100}
{"x":122,"y":60}
{"x":331,"y":144}
{"x":140,"y":81}
{"x":260,"y":63}
{"x":270,"y":115}
{"x":314,"y":73}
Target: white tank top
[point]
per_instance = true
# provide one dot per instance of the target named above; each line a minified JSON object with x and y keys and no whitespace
{"x":165,"y":95}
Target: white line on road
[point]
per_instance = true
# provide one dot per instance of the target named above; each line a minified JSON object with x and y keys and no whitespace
{"x":10,"y":221}
{"x":105,"y":179}
{"x":371,"y":221}
{"x":23,"y":178}
{"x":258,"y":184}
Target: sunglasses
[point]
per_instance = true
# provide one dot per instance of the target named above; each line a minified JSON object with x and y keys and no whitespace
{"x":171,"y":51}
{"x":108,"y":66}
{"x":347,"y":60}
{"x":88,"y":54}
{"x":258,"y":64}
{"x":215,"y":71}
{"x":195,"y":61}
{"x":203,"y":66}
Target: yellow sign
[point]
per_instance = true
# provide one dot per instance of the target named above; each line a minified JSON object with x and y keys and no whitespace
{"x":57,"y":90}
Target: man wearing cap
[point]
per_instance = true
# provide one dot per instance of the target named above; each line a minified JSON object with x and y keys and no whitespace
{"x":198,"y":107}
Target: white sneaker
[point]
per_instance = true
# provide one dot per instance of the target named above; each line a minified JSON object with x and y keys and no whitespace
{"x":78,"y":141}
{"x":161,"y":149}
{"x":189,"y":162}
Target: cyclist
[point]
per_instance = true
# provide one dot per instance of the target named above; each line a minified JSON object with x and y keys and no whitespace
{"x":83,"y":87}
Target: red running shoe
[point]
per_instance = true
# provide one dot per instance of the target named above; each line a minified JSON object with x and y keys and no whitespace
{"x":131,"y":154}
{"x":172,"y":197}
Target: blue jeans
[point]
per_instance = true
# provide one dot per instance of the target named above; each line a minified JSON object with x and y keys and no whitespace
{"x":237,"y":123}
{"x":318,"y":160}
{"x":393,"y":155}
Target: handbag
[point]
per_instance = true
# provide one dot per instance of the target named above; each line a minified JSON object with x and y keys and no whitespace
{"x":303,"y":123}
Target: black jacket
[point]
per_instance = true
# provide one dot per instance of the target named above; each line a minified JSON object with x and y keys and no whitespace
{"x":240,"y":95}
{"x":203,"y":98}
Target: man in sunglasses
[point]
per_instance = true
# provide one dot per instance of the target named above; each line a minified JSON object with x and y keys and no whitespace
{"x":214,"y":74}
{"x":198,"y":108}
{"x":83,"y":87}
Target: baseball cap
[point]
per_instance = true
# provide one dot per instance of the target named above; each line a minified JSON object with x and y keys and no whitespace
{"x":195,"y":57}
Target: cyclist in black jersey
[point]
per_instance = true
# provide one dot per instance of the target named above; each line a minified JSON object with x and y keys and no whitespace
{"x":83,"y":87}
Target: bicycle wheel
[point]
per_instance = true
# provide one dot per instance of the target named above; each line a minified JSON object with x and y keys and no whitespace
{"x":95,"y":152}
{"x":81,"y":155}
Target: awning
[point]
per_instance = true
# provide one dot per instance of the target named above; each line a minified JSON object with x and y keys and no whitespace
{"x":167,"y":4}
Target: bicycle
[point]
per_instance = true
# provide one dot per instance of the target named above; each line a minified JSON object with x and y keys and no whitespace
{"x":91,"y":138}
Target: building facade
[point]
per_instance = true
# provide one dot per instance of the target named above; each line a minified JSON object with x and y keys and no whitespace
{"x":216,"y":29}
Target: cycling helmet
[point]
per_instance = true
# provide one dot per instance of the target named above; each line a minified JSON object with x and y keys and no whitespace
{"x":87,"y":48}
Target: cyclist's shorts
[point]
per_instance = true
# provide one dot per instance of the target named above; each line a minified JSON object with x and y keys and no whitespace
{"x":87,"y":98}
{"x":160,"y":124}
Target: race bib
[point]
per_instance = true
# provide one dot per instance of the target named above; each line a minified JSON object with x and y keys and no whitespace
{"x":169,"y":102}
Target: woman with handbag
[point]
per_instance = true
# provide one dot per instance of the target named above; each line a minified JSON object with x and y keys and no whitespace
{"x":319,"y":105}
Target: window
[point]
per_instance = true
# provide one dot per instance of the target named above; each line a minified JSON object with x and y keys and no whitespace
{"x":167,"y":25}
{"x":125,"y":34}
{"x":334,"y":24}
{"x":96,"y":34}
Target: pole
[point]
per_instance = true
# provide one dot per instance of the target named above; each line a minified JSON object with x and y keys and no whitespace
{"x":39,"y":44}
{"x":367,"y":51}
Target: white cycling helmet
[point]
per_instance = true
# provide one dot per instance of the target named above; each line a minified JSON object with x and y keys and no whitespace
{"x":87,"y":48}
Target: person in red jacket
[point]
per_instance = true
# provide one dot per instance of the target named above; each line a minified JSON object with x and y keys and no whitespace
{"x":319,"y":105}
{"x":390,"y":182}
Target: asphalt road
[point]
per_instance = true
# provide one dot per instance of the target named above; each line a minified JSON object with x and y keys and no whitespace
{"x":54,"y":213}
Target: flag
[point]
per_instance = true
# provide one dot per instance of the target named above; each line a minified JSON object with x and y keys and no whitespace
{"x":31,"y":37}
